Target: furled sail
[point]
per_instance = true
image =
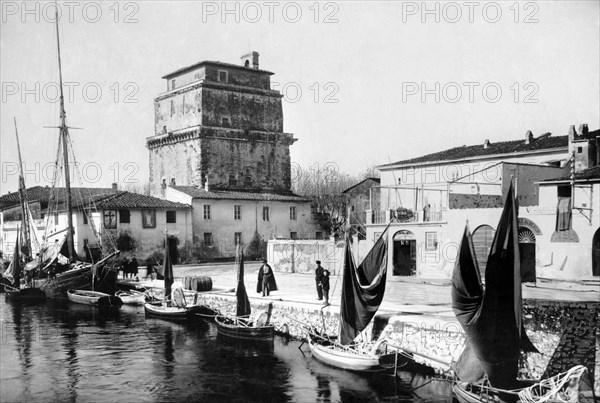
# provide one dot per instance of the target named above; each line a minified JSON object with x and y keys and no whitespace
{"x":243,"y":304}
{"x":363,"y":288}
{"x":13,"y":272}
{"x":167,"y":272}
{"x":491,"y":318}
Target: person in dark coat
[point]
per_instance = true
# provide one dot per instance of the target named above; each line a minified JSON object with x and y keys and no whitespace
{"x":266,"y":279}
{"x":318,"y":277}
{"x":325,"y":286}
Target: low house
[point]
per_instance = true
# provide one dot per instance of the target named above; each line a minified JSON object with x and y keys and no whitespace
{"x":223,"y":218}
{"x":359,"y":199}
{"x":100,"y":217}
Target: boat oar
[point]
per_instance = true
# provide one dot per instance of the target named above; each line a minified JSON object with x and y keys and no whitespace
{"x":422,"y":355}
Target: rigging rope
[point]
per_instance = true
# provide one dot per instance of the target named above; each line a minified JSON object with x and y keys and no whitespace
{"x":558,"y":388}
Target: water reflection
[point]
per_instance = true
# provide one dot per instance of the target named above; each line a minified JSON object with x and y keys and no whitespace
{"x":60,"y":351}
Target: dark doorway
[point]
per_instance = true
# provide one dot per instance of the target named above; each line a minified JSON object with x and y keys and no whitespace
{"x":405,"y":254}
{"x":596,"y":254}
{"x":527,"y":251}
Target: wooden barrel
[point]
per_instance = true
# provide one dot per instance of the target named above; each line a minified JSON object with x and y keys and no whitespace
{"x":203,"y":283}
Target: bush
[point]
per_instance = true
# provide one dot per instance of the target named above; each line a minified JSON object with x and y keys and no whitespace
{"x":257,"y":248}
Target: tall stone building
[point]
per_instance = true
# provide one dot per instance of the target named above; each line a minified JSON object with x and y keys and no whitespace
{"x":221,"y":123}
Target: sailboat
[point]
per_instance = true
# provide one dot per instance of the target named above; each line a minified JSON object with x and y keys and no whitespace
{"x":240,"y":327}
{"x":56,"y":269}
{"x":173,"y":306}
{"x":492,"y":320}
{"x":362,"y":293}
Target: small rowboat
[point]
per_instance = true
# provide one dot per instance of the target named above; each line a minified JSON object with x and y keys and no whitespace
{"x":239,"y":329}
{"x":132,"y":297}
{"x":166,"y":312}
{"x":93,"y":298}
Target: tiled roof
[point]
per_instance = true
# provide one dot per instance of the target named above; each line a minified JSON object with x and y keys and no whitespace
{"x":128,"y":200}
{"x":214,"y":63}
{"x":44,"y":194}
{"x":377,"y":180}
{"x":590,"y":174}
{"x":198,"y":193}
{"x":543,"y":142}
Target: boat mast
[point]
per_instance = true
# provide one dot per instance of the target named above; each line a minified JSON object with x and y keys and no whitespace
{"x":64,"y":134}
{"x":23,"y":199}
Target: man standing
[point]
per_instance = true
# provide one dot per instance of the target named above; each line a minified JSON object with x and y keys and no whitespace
{"x":318,"y":277}
{"x":325,"y":286}
{"x":266,"y":279}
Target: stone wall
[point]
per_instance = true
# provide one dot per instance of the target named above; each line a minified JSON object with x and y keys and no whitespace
{"x":565,"y":333}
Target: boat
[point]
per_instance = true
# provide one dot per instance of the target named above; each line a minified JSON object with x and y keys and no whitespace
{"x":363,"y":288}
{"x":240,"y":327}
{"x":174,"y":305}
{"x":132,"y":297}
{"x":96,"y":298}
{"x":492,"y":320}
{"x":13,"y":276}
{"x":56,"y":268}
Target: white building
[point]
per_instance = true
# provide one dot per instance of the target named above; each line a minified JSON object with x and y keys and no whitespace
{"x":434,"y":196}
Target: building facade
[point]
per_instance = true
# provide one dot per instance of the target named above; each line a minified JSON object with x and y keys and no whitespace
{"x":430,"y":199}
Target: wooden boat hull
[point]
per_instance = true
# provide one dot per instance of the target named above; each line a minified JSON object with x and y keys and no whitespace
{"x":132,"y":298}
{"x":345,"y":360}
{"x":57,"y":287}
{"x":93,"y":298}
{"x":166,"y":312}
{"x":26,"y":294}
{"x":240,"y":332}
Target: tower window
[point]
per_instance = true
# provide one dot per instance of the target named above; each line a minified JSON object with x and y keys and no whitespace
{"x":232,"y":180}
{"x":225,"y":121}
{"x":207,"y":211}
{"x":237,"y":212}
{"x":223,"y":76}
{"x":266,"y":213}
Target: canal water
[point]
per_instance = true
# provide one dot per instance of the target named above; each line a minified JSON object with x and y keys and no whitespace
{"x":65,"y":352}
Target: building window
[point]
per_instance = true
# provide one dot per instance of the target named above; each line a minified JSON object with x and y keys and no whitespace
{"x":208,"y":239}
{"x":293,"y":235}
{"x":237,"y":212}
{"x":225,"y":121}
{"x":247,"y":181}
{"x":292,"y":212}
{"x":237,"y":238}
{"x":232,"y":180}
{"x":149,"y":218}
{"x":266,"y":213}
{"x":171,"y":217}
{"x":172,"y":108}
{"x":207,"y":211}
{"x":109,"y":219}
{"x":173,"y":84}
{"x":319,"y":235}
{"x":431,"y":241}
{"x":223,"y":76}
{"x":579,"y":150}
{"x":124,"y":216}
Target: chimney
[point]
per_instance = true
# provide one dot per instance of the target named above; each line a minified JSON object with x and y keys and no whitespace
{"x":114,"y":186}
{"x":528,"y":137}
{"x":572,"y":133}
{"x":206,"y":185}
{"x":250,"y":59}
{"x":583,"y":128}
{"x":486,"y":144}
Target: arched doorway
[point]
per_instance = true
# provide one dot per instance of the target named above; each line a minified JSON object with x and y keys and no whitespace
{"x":483,"y":236}
{"x":405,"y":253}
{"x":596,"y":253}
{"x":527,"y":250}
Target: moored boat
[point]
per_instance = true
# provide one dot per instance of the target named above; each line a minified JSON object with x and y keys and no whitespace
{"x":239,"y":327}
{"x":93,"y":298}
{"x":131,"y":297}
{"x":166,"y":312}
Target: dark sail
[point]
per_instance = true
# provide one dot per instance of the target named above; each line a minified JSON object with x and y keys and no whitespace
{"x":16,"y":264}
{"x":493,"y":325}
{"x":167,"y":272}
{"x":243,"y":304}
{"x":362,"y":289}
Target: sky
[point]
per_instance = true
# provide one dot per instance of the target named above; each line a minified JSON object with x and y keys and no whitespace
{"x":364,"y":82}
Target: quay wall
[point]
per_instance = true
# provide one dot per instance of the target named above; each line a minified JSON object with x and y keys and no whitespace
{"x":565,"y":333}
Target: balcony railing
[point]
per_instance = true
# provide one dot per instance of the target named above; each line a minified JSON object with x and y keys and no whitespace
{"x":419,"y":216}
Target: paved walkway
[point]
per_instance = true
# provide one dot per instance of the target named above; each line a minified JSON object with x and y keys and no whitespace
{"x":407,"y":295}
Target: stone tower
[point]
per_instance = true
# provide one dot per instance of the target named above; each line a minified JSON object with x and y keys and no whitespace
{"x":221,"y":123}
